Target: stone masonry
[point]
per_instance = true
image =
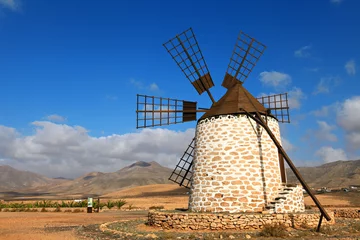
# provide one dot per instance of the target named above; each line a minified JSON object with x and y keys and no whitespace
{"x":224,"y":221}
{"x":290,"y":200}
{"x":236,"y":165}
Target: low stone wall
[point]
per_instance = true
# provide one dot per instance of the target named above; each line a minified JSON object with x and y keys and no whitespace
{"x":224,"y":221}
{"x":347,"y":213}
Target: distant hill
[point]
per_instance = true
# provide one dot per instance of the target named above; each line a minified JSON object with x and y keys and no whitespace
{"x":137,"y":174}
{"x":333,"y":175}
{"x":12,"y":179}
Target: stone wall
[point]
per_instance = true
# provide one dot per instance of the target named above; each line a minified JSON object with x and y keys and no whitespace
{"x":291,"y":200}
{"x":236,"y":165}
{"x":210,"y":221}
{"x":347,"y":213}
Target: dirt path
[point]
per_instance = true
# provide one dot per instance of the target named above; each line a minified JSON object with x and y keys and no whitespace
{"x":39,"y":226}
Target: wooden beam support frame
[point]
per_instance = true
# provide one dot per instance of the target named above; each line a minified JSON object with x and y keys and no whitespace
{"x":258,"y":119}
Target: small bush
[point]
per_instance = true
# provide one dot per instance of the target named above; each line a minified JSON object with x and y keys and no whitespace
{"x":34,"y":210}
{"x":120,"y":203}
{"x":308,"y":207}
{"x":275,"y":230}
{"x":156,"y":207}
{"x":67,"y":210}
{"x":110,"y":204}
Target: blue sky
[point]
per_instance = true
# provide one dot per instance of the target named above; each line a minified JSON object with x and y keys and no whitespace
{"x":81,"y":63}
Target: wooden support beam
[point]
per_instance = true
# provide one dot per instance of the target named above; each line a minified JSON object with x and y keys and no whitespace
{"x":258,"y":119}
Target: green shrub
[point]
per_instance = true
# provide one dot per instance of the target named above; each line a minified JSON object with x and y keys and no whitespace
{"x":273,"y":230}
{"x":120,"y":203}
{"x":110,"y":204}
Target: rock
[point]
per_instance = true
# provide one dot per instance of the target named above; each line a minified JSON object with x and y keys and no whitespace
{"x":231,"y":237}
{"x":248,"y":236}
{"x":151,"y":235}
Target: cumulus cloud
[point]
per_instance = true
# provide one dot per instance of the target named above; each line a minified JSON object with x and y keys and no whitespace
{"x":326,"y":84}
{"x":289,"y":147}
{"x":348,"y":118}
{"x":140,"y":85}
{"x":303,"y":52}
{"x":330,"y":154}
{"x":350,"y":67}
{"x":13,"y":5}
{"x":69,"y":151}
{"x":56,"y":118}
{"x":275,"y":79}
{"x":325,"y":132}
{"x":295,"y":97}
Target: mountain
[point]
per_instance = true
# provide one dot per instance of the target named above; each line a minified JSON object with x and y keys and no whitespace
{"x":333,"y":175}
{"x":137,"y":174}
{"x":12,"y":179}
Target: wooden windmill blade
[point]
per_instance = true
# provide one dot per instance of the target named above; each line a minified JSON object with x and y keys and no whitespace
{"x":246,"y":53}
{"x":277,"y":105}
{"x":184,"y":49}
{"x":158,"y":111}
{"x":182,"y":173}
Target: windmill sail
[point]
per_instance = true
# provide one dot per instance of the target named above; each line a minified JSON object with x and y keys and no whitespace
{"x":157,"y":111}
{"x":182,"y":173}
{"x":278,"y":105}
{"x":246,"y":53}
{"x":184,"y":49}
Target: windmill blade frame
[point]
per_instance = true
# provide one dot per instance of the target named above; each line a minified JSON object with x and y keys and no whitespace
{"x":182,"y":173}
{"x":158,"y":111}
{"x":278,"y":106}
{"x":185,"y":51}
{"x":246,"y":54}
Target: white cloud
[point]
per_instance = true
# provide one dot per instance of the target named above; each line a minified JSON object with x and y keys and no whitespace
{"x":326,"y":84}
{"x":336,"y":1}
{"x":287,"y":145}
{"x":350,"y":67}
{"x":13,"y":5}
{"x":56,"y":118}
{"x":330,"y":154}
{"x":324,"y":132}
{"x":141,"y":86}
{"x":68,"y":151}
{"x":348,"y":118}
{"x":303,"y":52}
{"x":274,"y":78}
{"x":295,"y":97}
{"x":154,"y":87}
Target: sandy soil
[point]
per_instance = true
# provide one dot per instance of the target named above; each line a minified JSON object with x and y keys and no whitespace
{"x":24,"y":225}
{"x":327,"y":200}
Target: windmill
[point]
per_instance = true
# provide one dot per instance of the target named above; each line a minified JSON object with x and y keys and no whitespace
{"x":235,"y":162}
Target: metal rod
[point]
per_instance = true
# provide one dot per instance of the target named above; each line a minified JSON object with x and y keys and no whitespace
{"x":260,"y":121}
{"x":196,"y":70}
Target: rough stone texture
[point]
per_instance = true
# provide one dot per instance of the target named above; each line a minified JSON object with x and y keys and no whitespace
{"x":347,"y":213}
{"x":291,"y":200}
{"x":213,"y":221}
{"x":236,"y":165}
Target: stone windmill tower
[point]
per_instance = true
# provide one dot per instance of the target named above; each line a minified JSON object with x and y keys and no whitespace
{"x":235,"y":162}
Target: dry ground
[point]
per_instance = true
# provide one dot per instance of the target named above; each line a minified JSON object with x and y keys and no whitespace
{"x":53,"y":225}
{"x":50,"y":225}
